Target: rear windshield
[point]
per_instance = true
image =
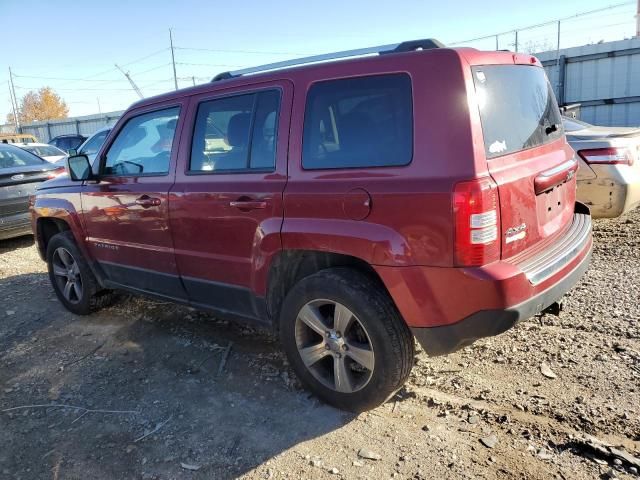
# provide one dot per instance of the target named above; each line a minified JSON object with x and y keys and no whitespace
{"x":518,"y":109}
{"x":45,"y":151}
{"x":12,"y":157}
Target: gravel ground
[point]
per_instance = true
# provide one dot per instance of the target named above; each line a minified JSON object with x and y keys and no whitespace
{"x":154,"y":391}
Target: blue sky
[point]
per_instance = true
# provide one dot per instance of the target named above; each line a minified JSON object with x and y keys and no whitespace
{"x":72,"y":46}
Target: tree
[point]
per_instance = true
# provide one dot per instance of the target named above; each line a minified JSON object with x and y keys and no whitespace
{"x":45,"y":104}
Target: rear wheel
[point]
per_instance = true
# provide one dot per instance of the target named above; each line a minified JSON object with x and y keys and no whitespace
{"x":345,"y":339}
{"x":72,"y":279}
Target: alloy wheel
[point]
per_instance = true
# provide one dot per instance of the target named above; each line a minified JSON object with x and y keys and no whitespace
{"x":67,"y":275}
{"x":334,"y":346}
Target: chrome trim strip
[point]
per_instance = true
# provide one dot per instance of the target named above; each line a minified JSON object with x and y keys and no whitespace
{"x":563,"y":166}
{"x":540,"y":268}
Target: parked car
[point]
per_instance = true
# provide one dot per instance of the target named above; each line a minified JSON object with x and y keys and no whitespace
{"x":47,"y":152}
{"x":67,"y":142}
{"x":609,"y":173}
{"x":92,"y":145}
{"x":391,"y":196}
{"x":17,"y":138}
{"x":20,"y":173}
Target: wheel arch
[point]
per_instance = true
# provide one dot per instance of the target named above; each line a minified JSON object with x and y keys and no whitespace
{"x":290,"y":266}
{"x":46,"y":228}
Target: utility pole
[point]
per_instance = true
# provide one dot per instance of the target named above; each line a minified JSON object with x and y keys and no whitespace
{"x":497,"y":48}
{"x":99,"y":109}
{"x":517,"y":39}
{"x":638,"y":20}
{"x":194,"y":78}
{"x":14,"y":101}
{"x":133,"y":84}
{"x":173,"y":60}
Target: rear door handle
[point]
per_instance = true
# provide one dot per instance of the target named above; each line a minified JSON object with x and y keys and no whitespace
{"x":555,"y":176}
{"x":248,"y":204}
{"x":145,"y":201}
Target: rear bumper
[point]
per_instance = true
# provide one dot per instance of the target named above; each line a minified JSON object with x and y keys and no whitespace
{"x":448,"y":308}
{"x":15,"y":225}
{"x":614,"y":191}
{"x":487,"y":323}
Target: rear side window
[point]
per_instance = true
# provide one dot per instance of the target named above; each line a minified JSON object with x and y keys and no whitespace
{"x":236,"y":133}
{"x":518,"y":109}
{"x":359,"y":122}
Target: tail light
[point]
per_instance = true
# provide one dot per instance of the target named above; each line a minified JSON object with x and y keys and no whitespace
{"x":607,"y":156}
{"x":477,"y":219}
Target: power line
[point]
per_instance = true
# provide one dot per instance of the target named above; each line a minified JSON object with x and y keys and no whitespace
{"x":152,"y":69}
{"x":65,"y":78}
{"x":82,"y":89}
{"x":544,"y":24}
{"x":209,"y":65}
{"x":251,"y":52}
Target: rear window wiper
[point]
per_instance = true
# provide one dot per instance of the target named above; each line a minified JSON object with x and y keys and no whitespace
{"x":551,"y":128}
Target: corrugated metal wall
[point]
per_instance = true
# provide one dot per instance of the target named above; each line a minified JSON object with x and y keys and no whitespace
{"x":604,"y":78}
{"x":87,"y":125}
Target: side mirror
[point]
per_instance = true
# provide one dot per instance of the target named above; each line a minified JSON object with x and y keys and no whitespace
{"x":79,"y":168}
{"x":72,"y":152}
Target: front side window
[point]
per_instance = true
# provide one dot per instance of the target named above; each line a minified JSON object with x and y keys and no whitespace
{"x":359,"y":122}
{"x":143,"y":146}
{"x":236,"y":133}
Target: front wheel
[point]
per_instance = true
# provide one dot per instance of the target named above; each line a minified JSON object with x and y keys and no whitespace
{"x":345,"y":339}
{"x":73,"y":281}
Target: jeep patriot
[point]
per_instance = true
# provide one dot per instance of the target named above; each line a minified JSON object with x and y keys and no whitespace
{"x":351,"y":202}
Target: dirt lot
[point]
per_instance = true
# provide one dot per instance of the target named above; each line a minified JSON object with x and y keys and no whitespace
{"x":149,"y":390}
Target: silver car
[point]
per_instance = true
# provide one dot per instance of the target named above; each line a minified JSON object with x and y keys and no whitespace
{"x":609,"y":172}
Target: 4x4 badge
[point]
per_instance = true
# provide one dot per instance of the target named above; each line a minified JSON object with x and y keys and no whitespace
{"x":516,"y":233}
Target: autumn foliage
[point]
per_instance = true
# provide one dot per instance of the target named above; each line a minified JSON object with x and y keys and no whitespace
{"x":45,"y":104}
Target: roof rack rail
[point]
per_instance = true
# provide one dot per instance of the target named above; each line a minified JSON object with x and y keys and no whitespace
{"x":408,"y":46}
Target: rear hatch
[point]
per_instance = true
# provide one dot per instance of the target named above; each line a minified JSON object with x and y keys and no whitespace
{"x":17,"y":184}
{"x":526,"y":153}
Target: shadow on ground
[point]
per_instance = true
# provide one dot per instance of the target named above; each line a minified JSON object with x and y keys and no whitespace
{"x":165,"y":370}
{"x":14,"y":243}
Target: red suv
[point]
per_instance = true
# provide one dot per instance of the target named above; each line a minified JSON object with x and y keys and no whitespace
{"x":351,"y":205}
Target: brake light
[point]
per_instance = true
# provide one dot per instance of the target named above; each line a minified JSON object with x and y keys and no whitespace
{"x":607,"y":156}
{"x":476,"y":213}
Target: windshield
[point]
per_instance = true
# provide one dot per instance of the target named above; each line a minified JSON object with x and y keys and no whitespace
{"x":573,"y":125}
{"x":518,"y":109}
{"x":91,"y":146}
{"x":44,"y":151}
{"x":12,"y":157}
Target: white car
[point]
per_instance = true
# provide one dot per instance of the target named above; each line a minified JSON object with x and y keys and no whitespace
{"x":609,"y":172}
{"x":45,"y":151}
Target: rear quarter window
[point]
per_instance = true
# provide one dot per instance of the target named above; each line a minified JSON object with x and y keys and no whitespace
{"x":359,"y":122}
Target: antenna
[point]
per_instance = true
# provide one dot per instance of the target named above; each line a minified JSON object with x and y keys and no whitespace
{"x":133,"y":84}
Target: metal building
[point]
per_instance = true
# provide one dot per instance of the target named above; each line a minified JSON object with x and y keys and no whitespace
{"x":604,"y":78}
{"x":85,"y":125}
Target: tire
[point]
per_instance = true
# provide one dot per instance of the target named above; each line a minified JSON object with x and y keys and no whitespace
{"x":86,"y":295}
{"x":375,"y":336}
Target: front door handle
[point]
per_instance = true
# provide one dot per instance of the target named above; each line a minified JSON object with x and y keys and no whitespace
{"x":145,"y":201}
{"x":248,"y":204}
